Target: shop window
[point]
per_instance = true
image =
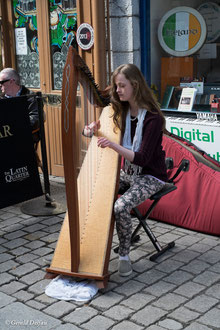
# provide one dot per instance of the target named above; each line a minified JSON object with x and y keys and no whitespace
{"x":185,"y":51}
{"x":63,"y":27}
{"x":26,"y":38}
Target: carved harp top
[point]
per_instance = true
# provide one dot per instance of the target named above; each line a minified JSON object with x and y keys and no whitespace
{"x":83,"y":248}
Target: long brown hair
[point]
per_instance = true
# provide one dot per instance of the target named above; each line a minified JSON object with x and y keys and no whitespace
{"x":143,"y":95}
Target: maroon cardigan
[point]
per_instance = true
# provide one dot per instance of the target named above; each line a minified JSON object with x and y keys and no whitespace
{"x":151,"y":156}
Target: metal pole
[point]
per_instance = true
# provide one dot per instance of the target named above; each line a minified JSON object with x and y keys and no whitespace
{"x":43,"y":147}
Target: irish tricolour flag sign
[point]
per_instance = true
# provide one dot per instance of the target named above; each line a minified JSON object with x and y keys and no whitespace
{"x":182,"y":31}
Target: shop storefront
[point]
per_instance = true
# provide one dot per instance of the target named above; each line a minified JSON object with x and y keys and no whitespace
{"x":35,"y":37}
{"x":176,"y":43}
{"x":184,"y":52}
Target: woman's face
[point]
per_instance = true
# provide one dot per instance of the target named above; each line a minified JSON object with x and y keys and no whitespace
{"x":124,"y":88}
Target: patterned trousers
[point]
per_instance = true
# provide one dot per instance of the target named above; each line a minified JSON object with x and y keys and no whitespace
{"x":141,"y":188}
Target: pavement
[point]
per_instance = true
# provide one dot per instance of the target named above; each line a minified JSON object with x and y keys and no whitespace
{"x":181,"y":290}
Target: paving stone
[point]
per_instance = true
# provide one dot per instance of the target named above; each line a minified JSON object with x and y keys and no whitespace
{"x":154,"y":327}
{"x":210,"y":241}
{"x":67,"y":326}
{"x":159,"y":288}
{"x":186,"y":255}
{"x":43,"y":298}
{"x":2,"y":249}
{"x":35,"y":244}
{"x":14,"y":227}
{"x":215,"y":268}
{"x":151,"y":276}
{"x":27,"y":257}
{"x":98,"y":322}
{"x":210,"y":257}
{"x":12,"y":287}
{"x":81,"y":315}
{"x":138,"y":301}
{"x":211,"y":318}
{"x":35,"y":304}
{"x":169,"y":301}
{"x":35,"y":235}
{"x":199,"y":247}
{"x":23,"y":295}
{"x":51,"y":221}
{"x":5,"y":299}
{"x":148,"y":315}
{"x":129,"y":288}
{"x":6,"y":278}
{"x":197,"y":326}
{"x":2,"y":240}
{"x":118,"y":313}
{"x":178,"y":277}
{"x":7,"y":215}
{"x":196,"y":266}
{"x":142,"y":265}
{"x":53,"y":229}
{"x":189,"y":289}
{"x":59,"y":309}
{"x":188,"y":240}
{"x":19,"y":315}
{"x":127,"y":325}
{"x":201,"y":303}
{"x":15,"y":243}
{"x":5,"y":257}
{"x":50,"y":238}
{"x":107,"y":300}
{"x":24,"y":269}
{"x":169,"y":266}
{"x":33,"y":277}
{"x":8,"y":265}
{"x":39,"y":287}
{"x":183,"y":314}
{"x":207,"y":278}
{"x":19,"y":251}
{"x":34,"y":228}
{"x":15,"y":234}
{"x":170,"y":324}
{"x":42,"y":251}
{"x":214,"y":291}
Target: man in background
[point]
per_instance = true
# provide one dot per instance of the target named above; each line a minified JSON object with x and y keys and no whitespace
{"x":11,"y":87}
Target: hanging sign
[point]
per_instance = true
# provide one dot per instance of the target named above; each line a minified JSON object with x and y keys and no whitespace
{"x":21,"y":41}
{"x":85,"y":36}
{"x":182,"y":31}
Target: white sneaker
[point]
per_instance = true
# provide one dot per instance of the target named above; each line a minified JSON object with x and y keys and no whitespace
{"x":124,"y":268}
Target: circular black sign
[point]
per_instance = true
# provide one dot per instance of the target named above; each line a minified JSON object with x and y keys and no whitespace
{"x":85,"y":36}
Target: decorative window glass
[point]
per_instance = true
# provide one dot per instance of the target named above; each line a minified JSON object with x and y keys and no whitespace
{"x":63,"y":28}
{"x":26,"y":37}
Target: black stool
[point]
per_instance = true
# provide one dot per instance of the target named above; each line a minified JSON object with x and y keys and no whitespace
{"x":168,"y":188}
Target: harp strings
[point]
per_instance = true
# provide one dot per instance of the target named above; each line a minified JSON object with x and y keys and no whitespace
{"x":88,"y":159}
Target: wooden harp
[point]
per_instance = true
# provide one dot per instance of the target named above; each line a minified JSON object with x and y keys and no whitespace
{"x":84,"y":244}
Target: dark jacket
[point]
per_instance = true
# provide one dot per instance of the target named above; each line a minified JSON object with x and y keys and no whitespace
{"x":32,"y":108}
{"x":32,"y":111}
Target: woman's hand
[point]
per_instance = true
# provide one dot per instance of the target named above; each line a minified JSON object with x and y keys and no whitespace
{"x":90,"y":129}
{"x":126,"y":153}
{"x":103,"y":142}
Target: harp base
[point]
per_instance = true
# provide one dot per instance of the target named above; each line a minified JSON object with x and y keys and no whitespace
{"x":101,"y":280}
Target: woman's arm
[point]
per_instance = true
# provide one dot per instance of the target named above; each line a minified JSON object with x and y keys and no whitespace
{"x":124,"y":152}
